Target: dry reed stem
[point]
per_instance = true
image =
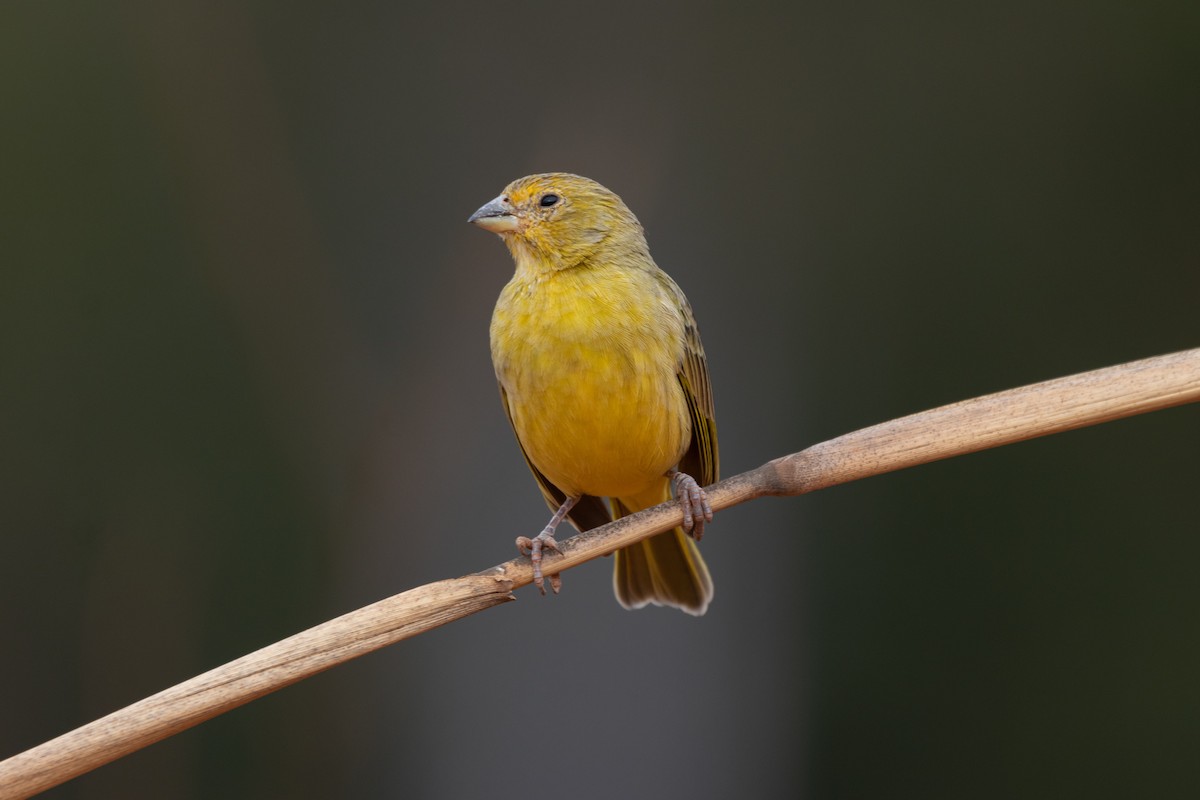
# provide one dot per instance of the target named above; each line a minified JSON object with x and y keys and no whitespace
{"x":966,"y":427}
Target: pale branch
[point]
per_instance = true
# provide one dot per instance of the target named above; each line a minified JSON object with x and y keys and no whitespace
{"x":972,"y":425}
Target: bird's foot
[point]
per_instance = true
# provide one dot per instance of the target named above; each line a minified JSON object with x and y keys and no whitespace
{"x":545,"y":541}
{"x":694,"y":502}
{"x":534,"y":548}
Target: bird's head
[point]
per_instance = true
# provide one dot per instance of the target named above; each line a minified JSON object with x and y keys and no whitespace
{"x":557,"y":220}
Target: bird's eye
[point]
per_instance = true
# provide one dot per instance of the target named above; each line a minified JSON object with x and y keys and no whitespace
{"x":548,"y":200}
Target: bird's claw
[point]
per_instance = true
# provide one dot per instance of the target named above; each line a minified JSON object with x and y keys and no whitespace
{"x":534,"y":548}
{"x":694,"y":502}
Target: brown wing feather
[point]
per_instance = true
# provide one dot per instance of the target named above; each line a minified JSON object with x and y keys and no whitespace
{"x":701,"y":460}
{"x":590,"y":512}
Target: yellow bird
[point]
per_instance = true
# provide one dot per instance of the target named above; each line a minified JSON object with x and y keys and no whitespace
{"x":604,"y":380}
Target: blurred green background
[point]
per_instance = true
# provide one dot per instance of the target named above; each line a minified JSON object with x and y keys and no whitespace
{"x":245,"y":387}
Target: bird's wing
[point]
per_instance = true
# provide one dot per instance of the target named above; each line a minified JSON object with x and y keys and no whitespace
{"x":590,"y":512}
{"x":701,"y":460}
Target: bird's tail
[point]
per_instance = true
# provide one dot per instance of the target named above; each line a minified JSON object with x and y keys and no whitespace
{"x":666,"y":569}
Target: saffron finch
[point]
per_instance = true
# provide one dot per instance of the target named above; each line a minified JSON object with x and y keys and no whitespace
{"x":604,"y":380}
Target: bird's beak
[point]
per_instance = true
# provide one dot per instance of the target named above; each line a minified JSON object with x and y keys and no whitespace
{"x":495,"y":216}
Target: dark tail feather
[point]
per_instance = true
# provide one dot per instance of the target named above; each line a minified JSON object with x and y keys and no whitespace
{"x":665,"y":570}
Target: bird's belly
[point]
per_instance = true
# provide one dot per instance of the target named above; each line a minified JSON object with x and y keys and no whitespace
{"x":589,"y":363}
{"x":599,"y":421}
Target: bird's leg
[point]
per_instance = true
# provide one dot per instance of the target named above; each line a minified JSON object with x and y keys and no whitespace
{"x":545,"y":541}
{"x":694,"y":502}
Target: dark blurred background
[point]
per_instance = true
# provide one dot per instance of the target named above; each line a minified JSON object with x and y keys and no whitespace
{"x":245,"y":387}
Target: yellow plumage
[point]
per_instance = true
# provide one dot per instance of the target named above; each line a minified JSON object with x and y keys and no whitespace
{"x":602,"y":373}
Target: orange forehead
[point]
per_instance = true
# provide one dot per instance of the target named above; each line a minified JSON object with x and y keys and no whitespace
{"x":523,"y":190}
{"x":534,"y":186}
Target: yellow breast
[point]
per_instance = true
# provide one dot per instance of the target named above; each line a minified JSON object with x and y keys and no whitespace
{"x":588,"y":358}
